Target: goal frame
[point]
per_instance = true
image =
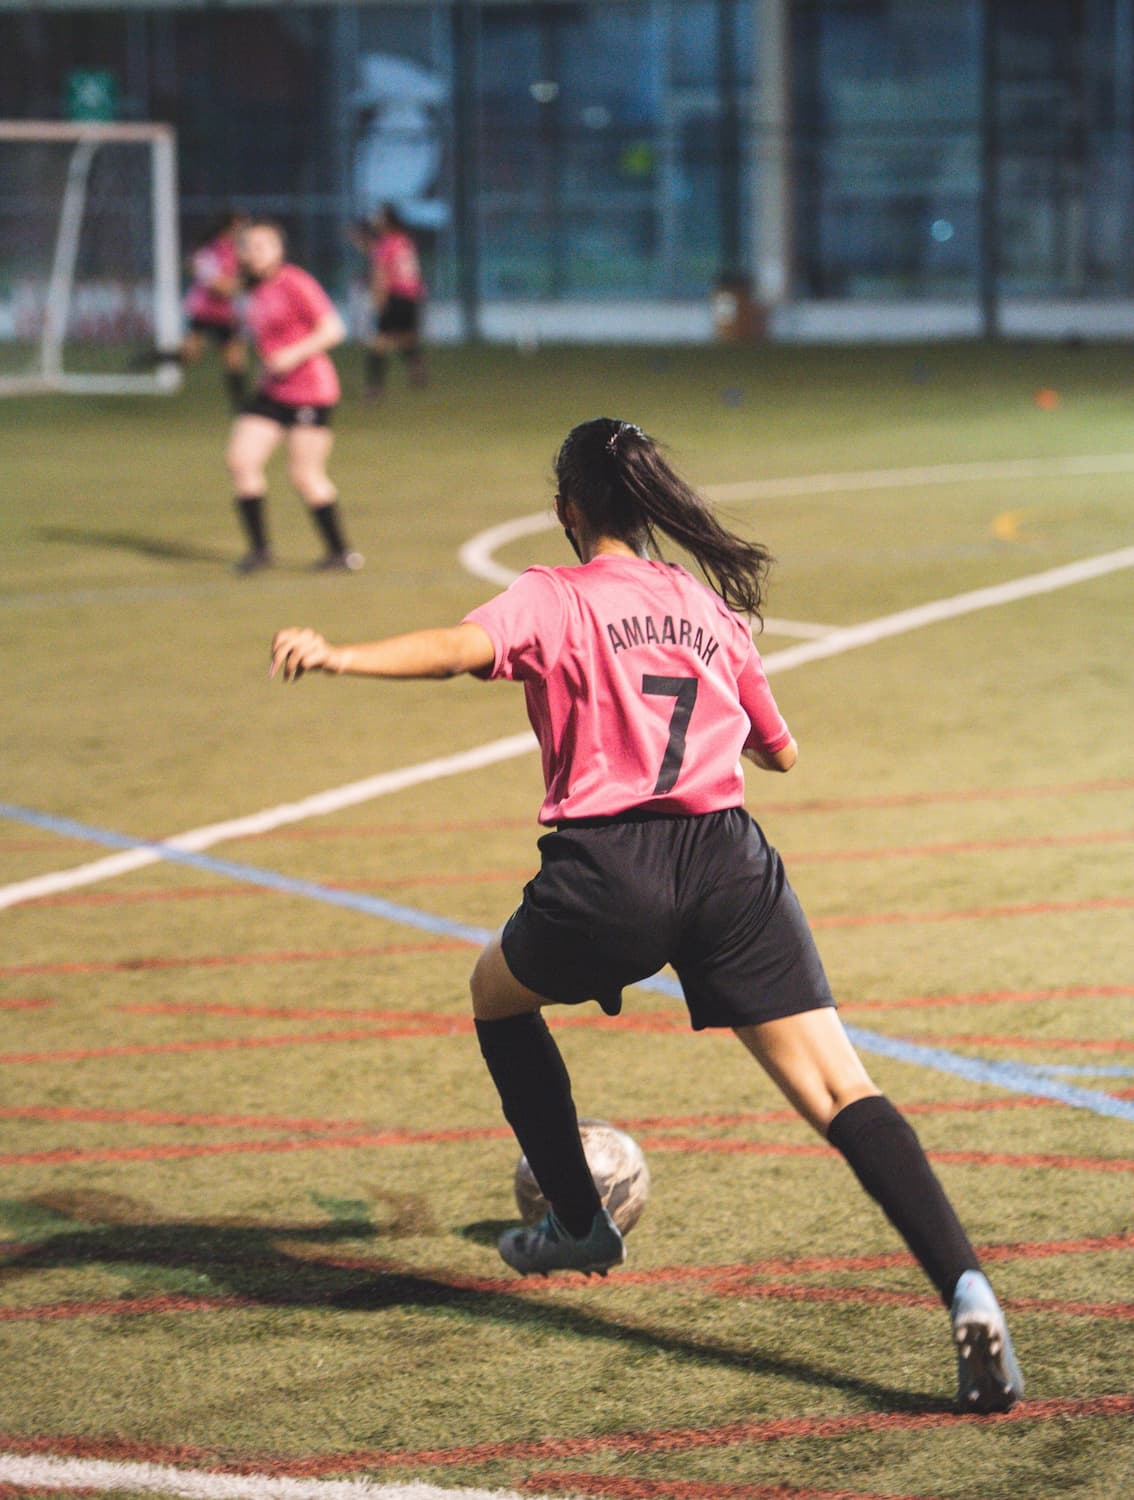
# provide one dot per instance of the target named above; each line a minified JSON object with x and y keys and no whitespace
{"x":49,"y":375}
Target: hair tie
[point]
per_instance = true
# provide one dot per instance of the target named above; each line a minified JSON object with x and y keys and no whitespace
{"x":612,"y":440}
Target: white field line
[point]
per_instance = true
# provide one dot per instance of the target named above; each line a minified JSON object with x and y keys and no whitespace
{"x":476,"y":557}
{"x":197,"y":839}
{"x":477,"y":554}
{"x":157,"y":1479}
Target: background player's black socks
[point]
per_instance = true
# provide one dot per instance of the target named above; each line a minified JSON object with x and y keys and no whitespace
{"x":887,"y":1158}
{"x":375,"y":371}
{"x":250,"y":509}
{"x":329,"y":523}
{"x":535,"y":1091}
{"x":234,"y":385}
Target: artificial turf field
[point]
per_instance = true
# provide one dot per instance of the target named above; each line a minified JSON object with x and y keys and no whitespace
{"x":253,"y":1167}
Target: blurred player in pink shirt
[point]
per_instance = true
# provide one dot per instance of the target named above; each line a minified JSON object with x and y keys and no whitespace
{"x":293,"y":323}
{"x":211,"y":305}
{"x":644,"y":689}
{"x":397,"y":293}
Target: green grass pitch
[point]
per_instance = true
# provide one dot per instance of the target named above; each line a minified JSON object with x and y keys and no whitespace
{"x":253,"y":1167}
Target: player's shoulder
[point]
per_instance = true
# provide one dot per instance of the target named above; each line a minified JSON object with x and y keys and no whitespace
{"x":711,"y":600}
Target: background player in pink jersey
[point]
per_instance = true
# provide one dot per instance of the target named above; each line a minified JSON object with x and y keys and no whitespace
{"x":293,"y":324}
{"x":397,"y":293}
{"x":211,"y":305}
{"x":644,"y":689}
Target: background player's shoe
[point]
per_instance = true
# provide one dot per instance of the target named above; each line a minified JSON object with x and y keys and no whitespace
{"x":254,"y":560}
{"x":340,"y":562}
{"x":988,"y":1377}
{"x":547,"y":1246}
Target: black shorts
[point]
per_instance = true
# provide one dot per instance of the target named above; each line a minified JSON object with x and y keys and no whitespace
{"x":286,"y":413}
{"x":220,"y":333}
{"x":400,"y":315}
{"x":616,"y":900}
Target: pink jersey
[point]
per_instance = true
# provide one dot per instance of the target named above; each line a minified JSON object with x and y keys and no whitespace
{"x":280,"y":312}
{"x":395,"y":256}
{"x":216,"y":261}
{"x":641,"y":685}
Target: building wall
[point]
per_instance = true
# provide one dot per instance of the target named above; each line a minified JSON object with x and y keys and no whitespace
{"x":631,"y":151}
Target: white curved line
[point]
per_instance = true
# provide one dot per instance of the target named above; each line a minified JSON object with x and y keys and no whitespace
{"x":477,"y":555}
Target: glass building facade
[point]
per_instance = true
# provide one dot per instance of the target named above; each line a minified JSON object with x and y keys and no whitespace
{"x":876,"y":153}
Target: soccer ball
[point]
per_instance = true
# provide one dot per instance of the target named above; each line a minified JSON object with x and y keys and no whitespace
{"x":617,"y":1166}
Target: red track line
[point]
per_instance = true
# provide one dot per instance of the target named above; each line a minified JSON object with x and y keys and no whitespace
{"x":974,"y":913}
{"x":721,"y":1280}
{"x":665,"y":1440}
{"x":30,"y":1003}
{"x":386,"y":1138}
{"x":223,"y":960}
{"x":830,"y":804}
{"x":363,"y":1139}
{"x":210,"y":1044}
{"x":206,"y":892}
{"x":520,"y":876}
{"x":482,"y":825}
{"x":993,"y":997}
{"x":169,"y":1117}
{"x":430,"y":1020}
{"x":622,"y":1487}
{"x":1059,"y":1043}
{"x":882,"y":1297}
{"x":114,"y":1307}
{"x":304,"y":1125}
{"x":711,"y":1146}
{"x":960,"y":846}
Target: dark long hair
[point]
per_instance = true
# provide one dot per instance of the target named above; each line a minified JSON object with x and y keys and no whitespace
{"x":624,"y":486}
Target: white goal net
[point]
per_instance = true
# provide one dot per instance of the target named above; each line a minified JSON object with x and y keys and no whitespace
{"x":89,"y":275}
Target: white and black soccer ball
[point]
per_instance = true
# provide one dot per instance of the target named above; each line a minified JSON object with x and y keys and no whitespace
{"x":617,"y":1166}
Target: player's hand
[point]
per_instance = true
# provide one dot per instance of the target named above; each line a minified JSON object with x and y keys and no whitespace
{"x":296,"y":650}
{"x":283,"y":361}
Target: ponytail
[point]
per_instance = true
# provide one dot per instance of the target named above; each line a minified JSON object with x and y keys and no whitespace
{"x":619,"y":479}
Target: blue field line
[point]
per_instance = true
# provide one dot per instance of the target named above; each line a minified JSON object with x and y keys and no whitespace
{"x":1012,"y":1077}
{"x":289,"y":885}
{"x":1085,"y":1070}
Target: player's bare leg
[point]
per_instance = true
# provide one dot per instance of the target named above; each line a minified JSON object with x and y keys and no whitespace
{"x":811,"y":1059}
{"x":308,"y":450}
{"x":535,"y":1093}
{"x":251,"y":444}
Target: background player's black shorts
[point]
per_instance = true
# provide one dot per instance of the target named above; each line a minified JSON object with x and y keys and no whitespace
{"x":286,"y":413}
{"x":400,"y":315}
{"x":220,"y":333}
{"x":614,"y":901}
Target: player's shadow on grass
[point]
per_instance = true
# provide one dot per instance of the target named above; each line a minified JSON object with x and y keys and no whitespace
{"x":163,"y":548}
{"x":298,"y":1265}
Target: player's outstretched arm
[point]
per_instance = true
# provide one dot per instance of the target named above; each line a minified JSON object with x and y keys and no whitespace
{"x":423,"y":653}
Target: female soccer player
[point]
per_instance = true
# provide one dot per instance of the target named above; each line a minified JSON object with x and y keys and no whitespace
{"x":397,"y":292}
{"x":210,"y":305}
{"x":644,"y":689}
{"x":293,"y":323}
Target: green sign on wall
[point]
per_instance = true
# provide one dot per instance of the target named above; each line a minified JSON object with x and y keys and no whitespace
{"x":90,"y":94}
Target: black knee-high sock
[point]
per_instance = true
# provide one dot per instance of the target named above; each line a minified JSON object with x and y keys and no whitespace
{"x":376,"y":365}
{"x":234,"y":385}
{"x":535,"y":1091}
{"x":887,"y":1158}
{"x":329,"y":524}
{"x":250,"y":509}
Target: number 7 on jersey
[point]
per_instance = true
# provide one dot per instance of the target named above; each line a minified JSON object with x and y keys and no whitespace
{"x":684,"y":689}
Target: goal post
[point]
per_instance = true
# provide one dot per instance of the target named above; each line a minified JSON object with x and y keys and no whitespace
{"x":89,"y":258}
